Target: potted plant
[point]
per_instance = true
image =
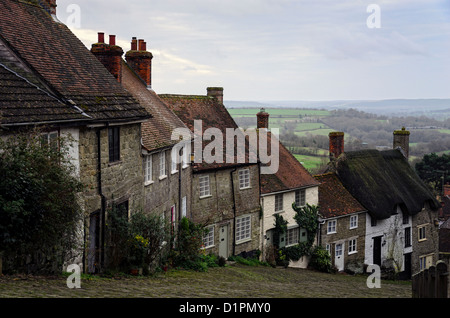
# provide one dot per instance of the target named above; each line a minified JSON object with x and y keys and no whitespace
{"x":139,"y":246}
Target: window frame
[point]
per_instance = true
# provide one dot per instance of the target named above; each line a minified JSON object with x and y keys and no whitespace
{"x":278,"y":199}
{"x":333,"y":226}
{"x":407,"y":237}
{"x":292,"y":236}
{"x":244,"y":179}
{"x":243,"y":235}
{"x":207,"y":186}
{"x":352,"y":246}
{"x":421,"y":232}
{"x":148,"y":169}
{"x":208,"y":237}
{"x":162,"y":165}
{"x":353,"y":218}
{"x":300,"y":197}
{"x":114,"y":144}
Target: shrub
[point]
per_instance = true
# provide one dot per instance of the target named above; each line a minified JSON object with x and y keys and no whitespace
{"x":321,"y":260}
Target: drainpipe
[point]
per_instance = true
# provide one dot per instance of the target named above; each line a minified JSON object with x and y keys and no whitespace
{"x":234,"y":211}
{"x":103,"y":199}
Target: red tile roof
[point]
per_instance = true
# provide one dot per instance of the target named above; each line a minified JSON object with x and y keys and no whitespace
{"x":212,"y":113}
{"x":156,"y":131}
{"x":62,"y":61}
{"x":290,"y":175}
{"x":334,"y":199}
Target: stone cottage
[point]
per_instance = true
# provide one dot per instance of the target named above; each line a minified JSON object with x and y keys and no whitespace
{"x":343,"y":224}
{"x":71,"y":93}
{"x":401,"y":226}
{"x":225,"y":189}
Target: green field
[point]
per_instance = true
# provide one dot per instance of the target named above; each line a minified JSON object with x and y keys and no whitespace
{"x":309,"y":162}
{"x":277,"y":112}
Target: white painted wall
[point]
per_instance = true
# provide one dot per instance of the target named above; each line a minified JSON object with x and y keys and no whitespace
{"x":73,"y":147}
{"x":268,"y":220}
{"x":392,"y":242}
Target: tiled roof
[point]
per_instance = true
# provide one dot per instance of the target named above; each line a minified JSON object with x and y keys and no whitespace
{"x":156,"y":131}
{"x":61,"y":60}
{"x":334,"y":199}
{"x":290,"y":174}
{"x":212,"y":113}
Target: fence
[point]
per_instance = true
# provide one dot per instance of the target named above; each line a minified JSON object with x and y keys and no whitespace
{"x":431,"y":282}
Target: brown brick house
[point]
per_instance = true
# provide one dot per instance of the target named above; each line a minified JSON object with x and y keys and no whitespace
{"x":65,"y":89}
{"x":225,"y":195}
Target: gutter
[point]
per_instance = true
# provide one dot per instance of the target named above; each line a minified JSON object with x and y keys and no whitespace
{"x":103,"y":200}
{"x":234,"y":211}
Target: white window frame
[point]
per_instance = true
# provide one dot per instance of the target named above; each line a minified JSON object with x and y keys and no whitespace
{"x":243,"y":228}
{"x":183,"y":206}
{"x":204,"y":186}
{"x":300,"y":197}
{"x":352,"y":246}
{"x":277,"y":204}
{"x":162,"y":165}
{"x":208,"y":238}
{"x":293,"y":236}
{"x":353,"y":221}
{"x":244,"y":179}
{"x":421,"y":232}
{"x":148,"y":169}
{"x":331,"y":226}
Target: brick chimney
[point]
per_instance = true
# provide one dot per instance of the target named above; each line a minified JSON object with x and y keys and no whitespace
{"x":140,"y":60}
{"x":216,"y":92}
{"x":109,"y":54}
{"x":336,"y":144}
{"x":50,"y":6}
{"x":262,"y":119}
{"x":401,"y":139}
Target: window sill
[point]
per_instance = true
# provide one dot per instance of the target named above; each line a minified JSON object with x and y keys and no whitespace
{"x":147,"y":183}
{"x":245,"y":188}
{"x":205,"y":196}
{"x":278,"y":212}
{"x":114,"y":163}
{"x":332,"y":232}
{"x":354,"y":252}
{"x":208,"y":247}
{"x":243,"y":241}
{"x":174,"y":171}
{"x":162,"y":177}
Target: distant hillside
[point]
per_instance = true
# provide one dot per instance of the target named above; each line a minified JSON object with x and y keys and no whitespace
{"x":436,"y":108}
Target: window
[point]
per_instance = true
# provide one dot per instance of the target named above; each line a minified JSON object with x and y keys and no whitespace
{"x":328,"y":248}
{"x":174,"y":158}
{"x":425,"y":261}
{"x":405,"y":218}
{"x":292,"y":236}
{"x":183,"y":206}
{"x":244,"y":178}
{"x":50,"y":139}
{"x":338,"y":250}
{"x":353,"y":221}
{"x":208,"y":237}
{"x":407,"y":237}
{"x":300,"y":198}
{"x":352,"y":246}
{"x":422,"y":236}
{"x":278,"y":202}
{"x":114,"y":143}
{"x":373,"y":221}
{"x":204,"y":186}
{"x":148,"y":169}
{"x":162,"y":165}
{"x":331,"y":226}
{"x":243,"y":228}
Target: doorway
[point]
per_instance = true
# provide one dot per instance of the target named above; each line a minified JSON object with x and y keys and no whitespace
{"x":339,"y":256}
{"x":377,"y":250}
{"x":223,"y":241}
{"x":94,"y":243}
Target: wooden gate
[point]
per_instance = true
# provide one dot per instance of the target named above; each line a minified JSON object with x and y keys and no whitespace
{"x":431,"y":282}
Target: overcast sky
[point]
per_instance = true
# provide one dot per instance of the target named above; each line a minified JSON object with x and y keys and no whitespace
{"x":262,"y":50}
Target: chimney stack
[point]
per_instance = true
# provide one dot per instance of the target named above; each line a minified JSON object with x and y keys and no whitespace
{"x":262,"y":119}
{"x":215,"y":92}
{"x":109,"y":54}
{"x":50,"y":6}
{"x":401,"y":139}
{"x":336,"y":144}
{"x":140,"y":60}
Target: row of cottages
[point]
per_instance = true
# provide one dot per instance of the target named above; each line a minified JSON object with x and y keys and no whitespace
{"x":376,"y":210}
{"x":50,"y":80}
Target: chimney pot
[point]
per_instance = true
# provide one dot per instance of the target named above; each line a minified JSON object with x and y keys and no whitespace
{"x":112,"y":40}
{"x":144,"y":46}
{"x":134,"y":44}
{"x":262,"y":119}
{"x":101,"y":37}
{"x":141,"y":41}
{"x":336,"y":144}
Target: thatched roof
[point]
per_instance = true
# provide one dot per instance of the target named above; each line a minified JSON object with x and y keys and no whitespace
{"x":383,"y":180}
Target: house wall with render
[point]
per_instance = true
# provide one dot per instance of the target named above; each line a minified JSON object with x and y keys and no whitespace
{"x":288,"y":213}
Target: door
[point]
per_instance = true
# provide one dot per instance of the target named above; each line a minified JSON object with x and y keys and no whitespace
{"x":377,"y":250}
{"x":339,"y":256}
{"x":408,"y":270}
{"x":94,"y":242}
{"x":223,"y":241}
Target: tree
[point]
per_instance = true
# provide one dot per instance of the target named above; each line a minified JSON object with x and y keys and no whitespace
{"x":40,"y":213}
{"x":434,"y":170}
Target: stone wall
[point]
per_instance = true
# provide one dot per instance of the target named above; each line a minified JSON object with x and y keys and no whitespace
{"x":217,"y":209}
